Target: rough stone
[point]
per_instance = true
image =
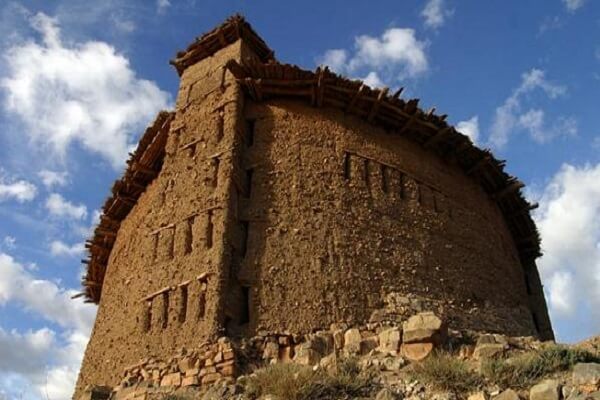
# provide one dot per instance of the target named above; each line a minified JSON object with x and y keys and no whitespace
{"x":306,"y":356}
{"x":173,"y":379}
{"x":424,"y":327}
{"x":478,"y":396}
{"x":190,"y":381}
{"x":508,"y":394}
{"x":389,"y":340}
{"x":545,"y":390}
{"x":489,"y":346}
{"x":385,"y":394}
{"x":352,"y":341}
{"x":416,"y":351}
{"x":586,"y":376}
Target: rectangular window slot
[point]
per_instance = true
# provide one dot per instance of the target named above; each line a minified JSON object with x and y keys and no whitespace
{"x":189,"y":232}
{"x":249,"y":173}
{"x":209,"y":230}
{"x":535,"y":321}
{"x":249,"y":137}
{"x":215,"y":165}
{"x":245,"y":309}
{"x":245,"y":228}
{"x":366,"y":176}
{"x":165,"y":310}
{"x":346,"y":166}
{"x":147,"y":317}
{"x":184,"y":303}
{"x":384,"y":179}
{"x":201,"y":302}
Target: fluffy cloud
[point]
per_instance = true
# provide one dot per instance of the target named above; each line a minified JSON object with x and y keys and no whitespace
{"x":470,"y":128}
{"x":162,"y":5}
{"x":53,"y":178}
{"x":510,"y":116}
{"x":43,"y":362}
{"x":77,"y":93}
{"x":435,"y":13}
{"x":21,"y":191}
{"x":569,"y":224}
{"x":573,"y":5}
{"x":59,"y":207}
{"x":395,"y":55}
{"x":58,"y":248}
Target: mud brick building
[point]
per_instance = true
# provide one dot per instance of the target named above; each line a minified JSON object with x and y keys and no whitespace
{"x":275,"y":199}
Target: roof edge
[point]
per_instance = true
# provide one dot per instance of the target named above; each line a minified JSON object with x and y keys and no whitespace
{"x":234,"y":28}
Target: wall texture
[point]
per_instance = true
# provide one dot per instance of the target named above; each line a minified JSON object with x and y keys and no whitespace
{"x":342,"y":216}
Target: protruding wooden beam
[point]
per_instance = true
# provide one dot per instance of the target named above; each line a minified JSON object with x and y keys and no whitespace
{"x":475,"y":167}
{"x":510,"y":188}
{"x":377,"y":104}
{"x":437,"y":137}
{"x":408,"y":124}
{"x":355,"y":98}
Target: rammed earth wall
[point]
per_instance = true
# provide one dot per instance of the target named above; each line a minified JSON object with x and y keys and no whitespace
{"x":275,"y":216}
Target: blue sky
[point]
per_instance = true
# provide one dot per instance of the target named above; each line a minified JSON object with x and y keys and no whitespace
{"x":80,"y":81}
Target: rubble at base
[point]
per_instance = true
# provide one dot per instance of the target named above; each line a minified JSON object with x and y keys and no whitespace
{"x":220,"y":370}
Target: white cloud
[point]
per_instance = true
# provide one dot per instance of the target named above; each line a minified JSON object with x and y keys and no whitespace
{"x":569,"y":224}
{"x":336,"y":59}
{"x":82,"y":93}
{"x":59,"y":207}
{"x":573,"y":5}
{"x":9,"y":242}
{"x":373,"y":80}
{"x":510,"y":117}
{"x":45,"y":361}
{"x":21,"y":191}
{"x":59,"y":248}
{"x":435,"y":14}
{"x":396,"y":54}
{"x":470,"y":128}
{"x":162,"y":5}
{"x":53,"y":178}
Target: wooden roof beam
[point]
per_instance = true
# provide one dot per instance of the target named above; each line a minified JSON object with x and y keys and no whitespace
{"x":510,"y":188}
{"x":437,"y":137}
{"x":376,"y":104}
{"x":475,"y":167}
{"x":356,"y":97}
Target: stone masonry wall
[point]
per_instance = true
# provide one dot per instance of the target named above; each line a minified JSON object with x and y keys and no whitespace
{"x":343,"y":217}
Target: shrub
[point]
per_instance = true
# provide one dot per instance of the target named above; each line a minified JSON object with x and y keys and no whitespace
{"x":524,"y":370}
{"x":346,"y":380}
{"x":444,"y":372}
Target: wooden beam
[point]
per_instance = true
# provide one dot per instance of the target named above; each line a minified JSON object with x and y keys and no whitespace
{"x":475,"y":167}
{"x":356,"y":97}
{"x":437,"y":137}
{"x":510,"y":188}
{"x":407,"y":125}
{"x":376,"y":104}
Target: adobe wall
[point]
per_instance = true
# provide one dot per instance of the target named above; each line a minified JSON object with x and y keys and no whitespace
{"x":165,"y":276}
{"x":348,"y":223}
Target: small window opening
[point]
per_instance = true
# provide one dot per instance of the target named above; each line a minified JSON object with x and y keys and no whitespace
{"x":384,"y":179}
{"x":346,"y":166}
{"x":245,"y":309}
{"x":147,"y":317}
{"x":249,"y":174}
{"x":250,"y":126}
{"x":184,"y":303}
{"x":245,"y":228}
{"x":189,"y":232}
{"x":201,"y":303}
{"x":535,"y":321}
{"x":209,"y":230}
{"x":165,"y":310}
{"x":215,"y":165}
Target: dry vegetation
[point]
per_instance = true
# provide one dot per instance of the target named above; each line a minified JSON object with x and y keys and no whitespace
{"x":445,"y":372}
{"x":298,"y":382}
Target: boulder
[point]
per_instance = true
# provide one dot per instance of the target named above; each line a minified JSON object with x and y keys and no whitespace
{"x":271,"y":351}
{"x":416,"y":351}
{"x":424,"y":327}
{"x":478,"y":396}
{"x":586,"y":376}
{"x":352,"y":341}
{"x":508,"y":394}
{"x":490,"y":346}
{"x":389,"y":340}
{"x":545,"y":390}
{"x":305,"y":355}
